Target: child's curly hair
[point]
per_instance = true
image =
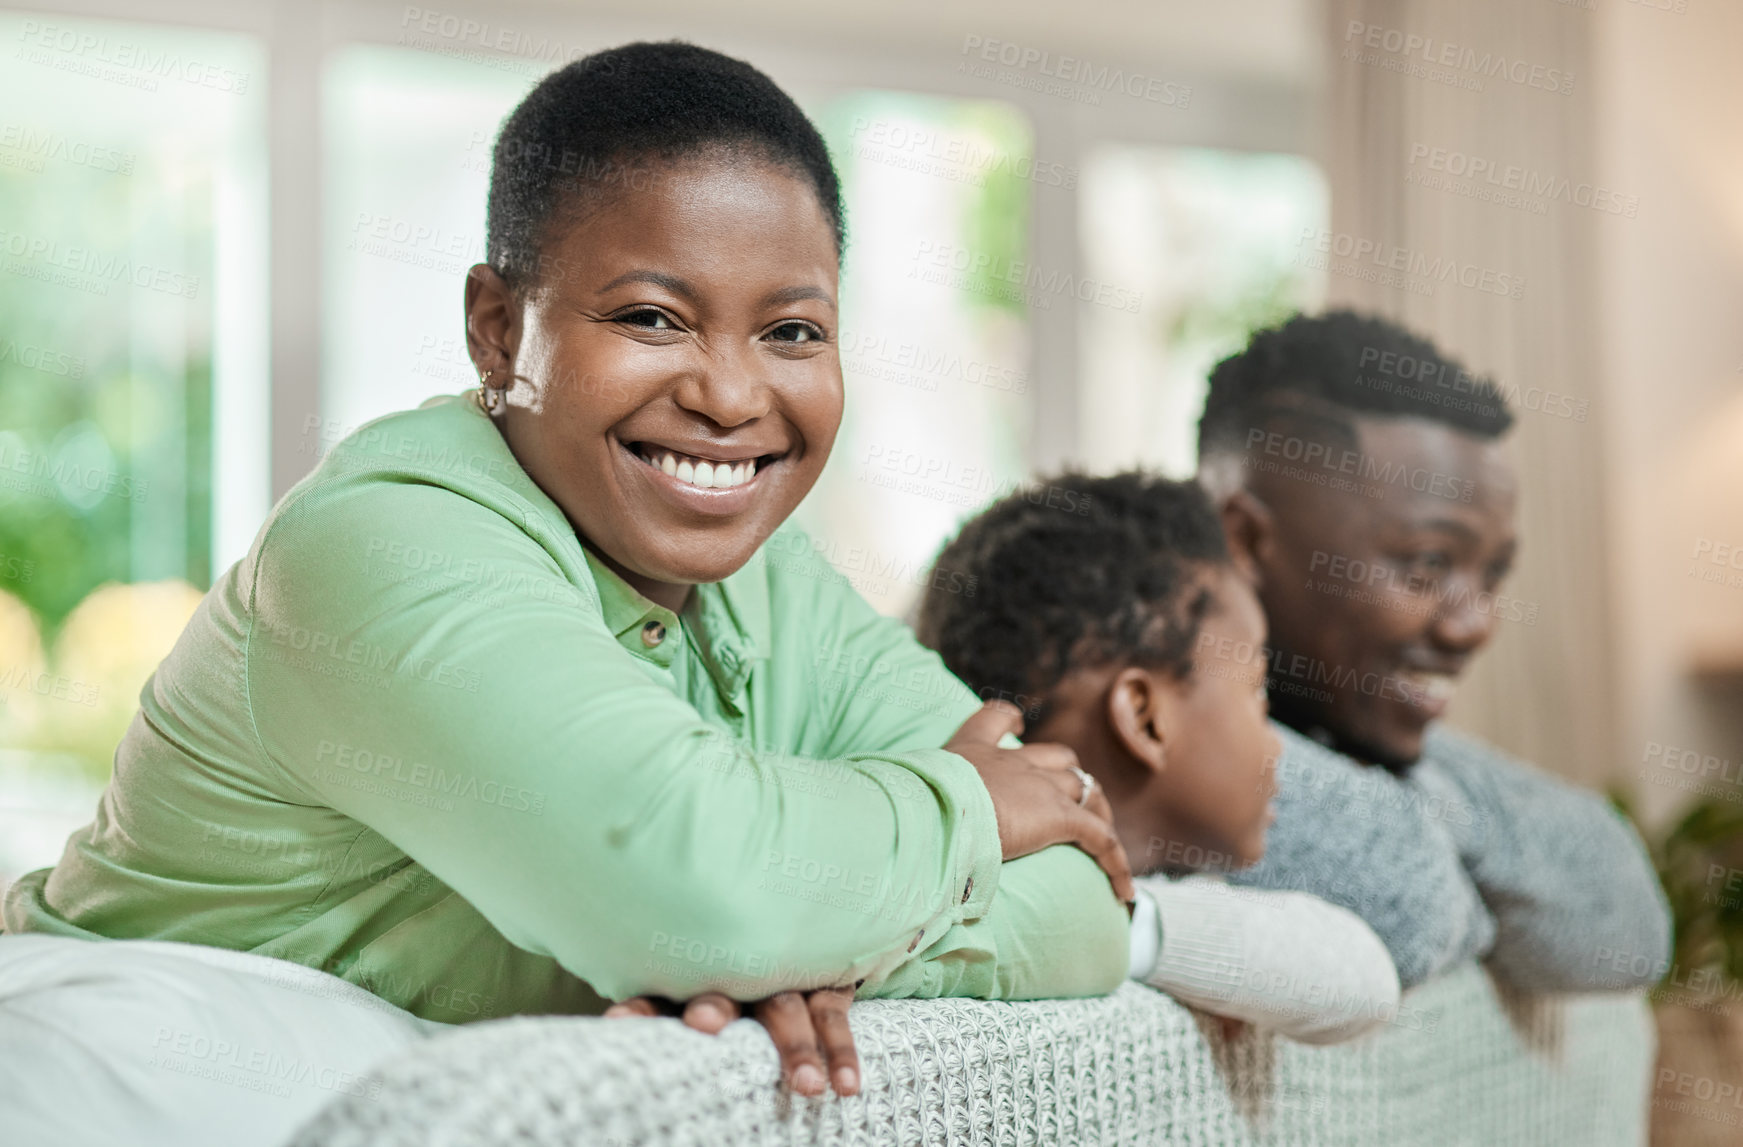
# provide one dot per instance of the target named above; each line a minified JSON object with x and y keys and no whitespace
{"x":1072,"y":573}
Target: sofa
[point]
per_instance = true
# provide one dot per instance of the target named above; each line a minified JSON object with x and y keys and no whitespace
{"x":1461,"y":1062}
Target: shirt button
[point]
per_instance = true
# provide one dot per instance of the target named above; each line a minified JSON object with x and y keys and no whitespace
{"x":968,"y":890}
{"x":653,"y":633}
{"x":916,"y":942}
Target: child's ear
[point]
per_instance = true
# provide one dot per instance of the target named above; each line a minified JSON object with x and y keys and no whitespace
{"x":1135,"y":711}
{"x":1251,"y":532}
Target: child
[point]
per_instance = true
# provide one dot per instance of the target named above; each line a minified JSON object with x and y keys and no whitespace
{"x":1127,"y":635}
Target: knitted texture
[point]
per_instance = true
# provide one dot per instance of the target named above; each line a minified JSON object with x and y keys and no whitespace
{"x":1473,"y":855}
{"x":1459,"y":1064}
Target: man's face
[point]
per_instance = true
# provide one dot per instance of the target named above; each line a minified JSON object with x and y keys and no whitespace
{"x":1381,"y":579}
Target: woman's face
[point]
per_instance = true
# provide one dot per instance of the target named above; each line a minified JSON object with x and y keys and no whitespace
{"x":676,"y":384}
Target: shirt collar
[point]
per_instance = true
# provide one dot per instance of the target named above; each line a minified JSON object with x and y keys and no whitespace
{"x":727,"y":622}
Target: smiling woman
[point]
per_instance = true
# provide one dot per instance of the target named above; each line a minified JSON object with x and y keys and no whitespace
{"x":504,"y":711}
{"x":642,"y":348}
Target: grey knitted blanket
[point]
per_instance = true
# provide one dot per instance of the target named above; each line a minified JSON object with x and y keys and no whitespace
{"x":1459,"y":1064}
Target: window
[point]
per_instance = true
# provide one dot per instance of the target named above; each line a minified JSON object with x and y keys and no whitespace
{"x":1212,"y":240}
{"x":132,"y":381}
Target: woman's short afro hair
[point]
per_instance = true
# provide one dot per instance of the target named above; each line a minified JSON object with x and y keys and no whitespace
{"x":1073,"y":573}
{"x":592,"y":126}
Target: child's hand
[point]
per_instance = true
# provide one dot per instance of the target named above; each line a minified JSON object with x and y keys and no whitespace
{"x":1035,"y":794}
{"x":806,"y":1028}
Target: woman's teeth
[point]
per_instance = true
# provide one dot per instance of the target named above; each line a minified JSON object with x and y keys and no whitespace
{"x":700,"y":472}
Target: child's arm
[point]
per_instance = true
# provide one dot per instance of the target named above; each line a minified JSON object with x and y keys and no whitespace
{"x":1285,"y":961}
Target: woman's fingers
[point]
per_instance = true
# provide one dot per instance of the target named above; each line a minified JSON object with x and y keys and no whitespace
{"x":639,"y":1006}
{"x":829,"y":1020}
{"x":1049,"y":755}
{"x":789,"y":1023}
{"x":1097,"y":838}
{"x":710,"y":1012}
{"x":988,"y":723}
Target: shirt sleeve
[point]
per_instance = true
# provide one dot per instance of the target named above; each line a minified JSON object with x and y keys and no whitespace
{"x":1576,"y":903}
{"x":1362,"y":839}
{"x":1284,"y":961}
{"x":1054,"y":930}
{"x":1052,"y":926}
{"x":493,"y":729}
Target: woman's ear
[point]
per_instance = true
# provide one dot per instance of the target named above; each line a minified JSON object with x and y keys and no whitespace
{"x":1251,"y":532}
{"x":1135,"y":707}
{"x":493,"y":318}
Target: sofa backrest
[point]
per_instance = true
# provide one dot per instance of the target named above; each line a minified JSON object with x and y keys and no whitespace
{"x":1460,"y":1063}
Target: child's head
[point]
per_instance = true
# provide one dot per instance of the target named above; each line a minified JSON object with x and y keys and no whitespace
{"x":658,"y":306}
{"x":1108,"y":610}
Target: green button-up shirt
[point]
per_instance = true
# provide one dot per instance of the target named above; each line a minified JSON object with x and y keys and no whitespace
{"x":422,"y":738}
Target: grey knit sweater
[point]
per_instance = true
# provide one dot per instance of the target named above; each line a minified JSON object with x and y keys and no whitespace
{"x":1471,"y":853}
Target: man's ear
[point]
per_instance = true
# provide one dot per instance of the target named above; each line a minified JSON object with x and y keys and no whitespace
{"x":1135,"y":707}
{"x":1250,"y":528}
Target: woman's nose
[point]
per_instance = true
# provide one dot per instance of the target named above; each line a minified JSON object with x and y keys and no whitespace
{"x":728,"y":390}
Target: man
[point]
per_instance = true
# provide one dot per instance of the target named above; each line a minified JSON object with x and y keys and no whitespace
{"x":1365,"y":487}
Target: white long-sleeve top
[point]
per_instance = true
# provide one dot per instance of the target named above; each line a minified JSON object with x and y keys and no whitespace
{"x":1285,"y":961}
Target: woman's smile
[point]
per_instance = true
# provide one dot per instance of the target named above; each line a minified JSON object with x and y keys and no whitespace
{"x":716,"y":480}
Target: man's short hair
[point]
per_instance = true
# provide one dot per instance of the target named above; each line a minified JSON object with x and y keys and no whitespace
{"x":1324,"y":369}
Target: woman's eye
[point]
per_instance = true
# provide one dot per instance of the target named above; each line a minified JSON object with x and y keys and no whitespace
{"x":796,"y":333}
{"x":648,"y":319}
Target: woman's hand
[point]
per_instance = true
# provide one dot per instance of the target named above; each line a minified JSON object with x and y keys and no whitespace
{"x":1035,"y":794}
{"x":809,"y":1028}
